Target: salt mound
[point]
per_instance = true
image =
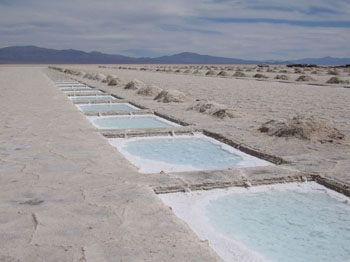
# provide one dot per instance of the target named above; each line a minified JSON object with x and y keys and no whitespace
{"x":113,"y":81}
{"x":196,"y":72}
{"x":307,"y":128}
{"x":82,"y":73}
{"x":71,"y":71}
{"x":213,"y":109}
{"x":239,"y":74}
{"x":109,"y":78}
{"x":305,"y":78}
{"x":151,"y":90}
{"x":223,"y":73}
{"x":336,"y":80}
{"x":100,"y":77}
{"x":134,"y":85}
{"x":210,"y":73}
{"x":260,"y":76}
{"x":282,"y":77}
{"x":89,"y":76}
{"x":167,"y":96}
{"x":333,"y":72}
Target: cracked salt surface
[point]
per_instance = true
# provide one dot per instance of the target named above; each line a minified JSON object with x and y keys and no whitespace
{"x":182,"y":153}
{"x":289,"y":222}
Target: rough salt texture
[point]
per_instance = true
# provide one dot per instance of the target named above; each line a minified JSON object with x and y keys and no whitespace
{"x":260,"y":76}
{"x":214,"y":109}
{"x":67,"y":195}
{"x":282,"y":77}
{"x":305,"y":78}
{"x":239,"y":74}
{"x":171,"y":96}
{"x":309,"y":128}
{"x":151,"y":90}
{"x":134,"y":85}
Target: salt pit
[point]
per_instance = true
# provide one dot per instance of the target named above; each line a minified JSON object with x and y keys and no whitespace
{"x":103,"y":107}
{"x":92,"y":98}
{"x":182,"y":153}
{"x":83,"y":92}
{"x":285,"y":222}
{"x":130,"y":122}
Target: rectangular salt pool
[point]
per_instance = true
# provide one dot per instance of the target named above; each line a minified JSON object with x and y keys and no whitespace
{"x":182,"y":153}
{"x":70,"y":85}
{"x":106,"y":107}
{"x":74,"y":88}
{"x":65,"y":82}
{"x":83,"y":92}
{"x":130,"y":122}
{"x":92,"y":98}
{"x":290,"y":223}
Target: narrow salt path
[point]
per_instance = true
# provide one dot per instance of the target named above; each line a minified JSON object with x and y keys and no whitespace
{"x":67,"y":195}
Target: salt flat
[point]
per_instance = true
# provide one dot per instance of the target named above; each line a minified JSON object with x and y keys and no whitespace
{"x":254,"y":102}
{"x":67,"y":195}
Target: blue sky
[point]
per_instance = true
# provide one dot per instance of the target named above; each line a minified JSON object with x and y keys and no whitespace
{"x":247,"y":29}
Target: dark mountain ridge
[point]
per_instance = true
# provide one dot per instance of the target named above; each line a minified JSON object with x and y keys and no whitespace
{"x":39,"y":55}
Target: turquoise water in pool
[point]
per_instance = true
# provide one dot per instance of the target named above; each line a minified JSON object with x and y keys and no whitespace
{"x":285,"y":226}
{"x":128,"y":122}
{"x":195,"y":152}
{"x":106,"y":107}
{"x":91,"y":98}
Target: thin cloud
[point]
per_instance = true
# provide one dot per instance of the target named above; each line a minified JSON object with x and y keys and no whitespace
{"x":254,"y":29}
{"x":345,"y":24}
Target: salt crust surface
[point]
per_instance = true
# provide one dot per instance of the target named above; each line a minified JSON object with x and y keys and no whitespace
{"x":191,"y":206}
{"x":151,"y":166}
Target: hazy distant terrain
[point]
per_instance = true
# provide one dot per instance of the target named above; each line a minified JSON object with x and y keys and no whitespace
{"x":37,"y":55}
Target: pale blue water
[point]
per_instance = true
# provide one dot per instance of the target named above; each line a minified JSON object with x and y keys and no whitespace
{"x":130,"y":122}
{"x":91,"y":98}
{"x":285,"y":226}
{"x":83,"y":92}
{"x":75,"y":88}
{"x":107,"y":107}
{"x":196,"y":152}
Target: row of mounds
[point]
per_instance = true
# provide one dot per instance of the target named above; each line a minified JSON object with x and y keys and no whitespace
{"x":174,"y":96}
{"x":301,"y":65}
{"x":302,"y":127}
{"x":163,"y":96}
{"x":160,"y":95}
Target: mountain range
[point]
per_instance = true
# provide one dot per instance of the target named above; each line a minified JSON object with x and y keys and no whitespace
{"x":38,"y":55}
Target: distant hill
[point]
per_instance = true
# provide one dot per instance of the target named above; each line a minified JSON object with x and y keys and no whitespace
{"x":33,"y":54}
{"x":38,"y":55}
{"x":193,"y":58}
